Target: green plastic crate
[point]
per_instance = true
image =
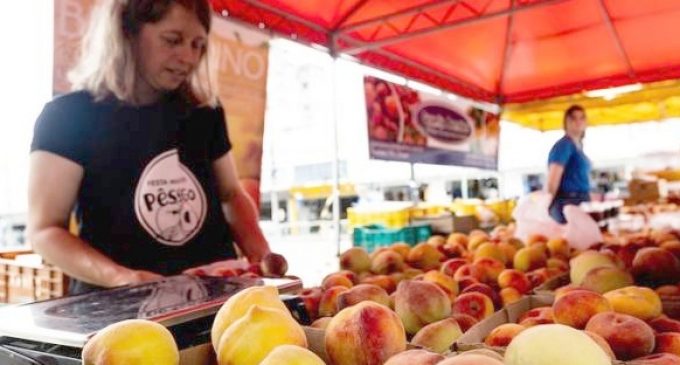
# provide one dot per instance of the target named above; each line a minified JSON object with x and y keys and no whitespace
{"x":375,"y":236}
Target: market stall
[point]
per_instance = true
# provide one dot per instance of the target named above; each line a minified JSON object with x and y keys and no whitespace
{"x":484,"y":296}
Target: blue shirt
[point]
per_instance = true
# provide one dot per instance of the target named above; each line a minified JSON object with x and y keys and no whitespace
{"x":576,"y":177}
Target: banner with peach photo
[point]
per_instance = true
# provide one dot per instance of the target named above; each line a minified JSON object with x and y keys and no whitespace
{"x":412,"y":126}
{"x":238,"y":61}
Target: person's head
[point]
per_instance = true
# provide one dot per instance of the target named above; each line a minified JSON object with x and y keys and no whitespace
{"x":575,"y":121}
{"x":138,"y":50}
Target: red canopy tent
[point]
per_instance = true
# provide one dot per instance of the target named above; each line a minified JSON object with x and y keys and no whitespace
{"x":502,"y":51}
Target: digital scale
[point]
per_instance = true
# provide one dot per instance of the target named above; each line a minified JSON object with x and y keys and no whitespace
{"x":53,"y":332}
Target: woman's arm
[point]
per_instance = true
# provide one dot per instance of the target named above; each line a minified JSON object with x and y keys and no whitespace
{"x":555,"y":172}
{"x":52,"y":190}
{"x":239,"y":210}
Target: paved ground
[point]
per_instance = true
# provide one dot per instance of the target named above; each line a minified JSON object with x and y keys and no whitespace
{"x":310,"y":256}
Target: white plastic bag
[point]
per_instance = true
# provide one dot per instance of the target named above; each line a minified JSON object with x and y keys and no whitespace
{"x":581,"y":231}
{"x":532,"y":217}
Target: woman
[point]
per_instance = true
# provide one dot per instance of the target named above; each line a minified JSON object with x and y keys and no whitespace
{"x":569,"y":168}
{"x":141,"y":153}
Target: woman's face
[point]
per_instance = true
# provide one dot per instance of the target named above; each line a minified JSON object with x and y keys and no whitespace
{"x":168,"y":52}
{"x":577,"y":123}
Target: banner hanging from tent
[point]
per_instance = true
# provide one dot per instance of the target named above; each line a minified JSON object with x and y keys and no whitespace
{"x":418,"y":127}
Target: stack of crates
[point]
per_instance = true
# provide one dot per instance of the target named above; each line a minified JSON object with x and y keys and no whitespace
{"x":22,"y":283}
{"x":372,"y":237}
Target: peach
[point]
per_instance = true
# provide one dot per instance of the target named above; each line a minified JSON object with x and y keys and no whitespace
{"x":361,"y":293}
{"x":436,"y":241}
{"x":402,"y":249}
{"x":470,"y":359}
{"x":384,"y":281}
{"x":488,"y":291}
{"x":377,"y":252}
{"x":529,"y":258}
{"x":509,"y":250}
{"x":663,"y":324}
{"x":668,"y":342}
{"x":657,"y":359}
{"x":503,"y":334}
{"x":475,"y":304}
{"x":558,"y":248}
{"x":452,"y":250}
{"x":336,"y":279}
{"x":629,"y":337}
{"x":457,"y":238}
{"x":416,"y":356}
{"x":351,"y":275}
{"x":273,"y":265}
{"x":290,"y":354}
{"x":515,"y":279}
{"x":509,"y":296}
{"x":653,"y":266}
{"x":465,"y":321}
{"x":554,"y":344}
{"x":328,"y":305}
{"x":566,"y":289}
{"x":542,"y":315}
{"x":515,"y":242}
{"x":449,"y":267}
{"x":490,"y":250}
{"x":586,"y":261}
{"x":602,"y":343}
{"x":132,"y":341}
{"x":446,"y":283}
{"x":636,"y":301}
{"x":536,"y":238}
{"x":410,"y":273}
{"x":356,"y":259}
{"x":419,"y":303}
{"x":577,"y":307}
{"x":252,"y":337}
{"x":238,"y":305}
{"x":438,"y":336}
{"x":321,"y":323}
{"x":425,"y":257}
{"x":666,"y":291}
{"x":469,"y":270}
{"x":557,"y":263}
{"x":397,"y":277}
{"x":311,"y":297}
{"x":364,"y":334}
{"x":672,"y":246}
{"x":466,"y":281}
{"x":475,"y":241}
{"x":387,"y":262}
{"x":538,"y":277}
{"x":490,"y":269}
{"x":605,"y":279}
{"x":484,"y":352}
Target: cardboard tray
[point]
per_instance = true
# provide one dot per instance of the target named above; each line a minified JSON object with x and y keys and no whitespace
{"x":671,"y":305}
{"x":474,"y":337}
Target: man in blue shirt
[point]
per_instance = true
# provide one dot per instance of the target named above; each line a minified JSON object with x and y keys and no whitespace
{"x":568,"y":167}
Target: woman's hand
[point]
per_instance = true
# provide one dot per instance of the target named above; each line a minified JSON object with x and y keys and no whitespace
{"x":220,"y":268}
{"x":131,"y":277}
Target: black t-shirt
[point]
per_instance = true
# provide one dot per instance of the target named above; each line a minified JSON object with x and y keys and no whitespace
{"x":148,"y":198}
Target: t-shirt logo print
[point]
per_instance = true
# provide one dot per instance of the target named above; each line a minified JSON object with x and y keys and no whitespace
{"x":169,"y":201}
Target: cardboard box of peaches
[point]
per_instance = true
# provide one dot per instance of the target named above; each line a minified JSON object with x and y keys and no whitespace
{"x":622,"y":293}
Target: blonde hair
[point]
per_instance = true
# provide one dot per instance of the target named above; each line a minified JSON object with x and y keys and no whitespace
{"x":107,"y":64}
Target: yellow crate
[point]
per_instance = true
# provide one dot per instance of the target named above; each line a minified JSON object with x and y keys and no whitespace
{"x":390,"y":219}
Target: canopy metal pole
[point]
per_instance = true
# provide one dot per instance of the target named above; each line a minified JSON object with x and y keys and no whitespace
{"x":336,"y":156}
